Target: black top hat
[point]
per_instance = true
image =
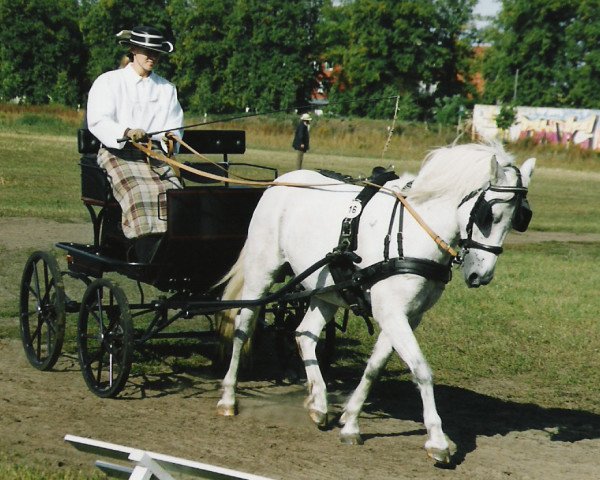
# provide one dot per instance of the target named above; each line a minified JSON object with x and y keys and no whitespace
{"x":145,"y":37}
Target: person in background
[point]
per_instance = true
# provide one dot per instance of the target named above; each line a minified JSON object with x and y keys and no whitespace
{"x":301,"y":139}
{"x":126,"y":104}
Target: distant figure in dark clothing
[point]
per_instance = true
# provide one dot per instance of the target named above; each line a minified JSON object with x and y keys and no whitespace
{"x":301,"y":139}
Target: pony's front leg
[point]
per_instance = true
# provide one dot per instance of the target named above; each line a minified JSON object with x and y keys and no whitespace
{"x":307,"y":336}
{"x":382,"y":351}
{"x":397,"y":328}
{"x":227,"y":405}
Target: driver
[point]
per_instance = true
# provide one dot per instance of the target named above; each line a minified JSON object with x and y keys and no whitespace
{"x":128,"y":103}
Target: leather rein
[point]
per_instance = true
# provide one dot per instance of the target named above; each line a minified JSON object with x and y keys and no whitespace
{"x":181,"y":166}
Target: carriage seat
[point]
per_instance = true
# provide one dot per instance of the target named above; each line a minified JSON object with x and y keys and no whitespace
{"x":96,"y":189}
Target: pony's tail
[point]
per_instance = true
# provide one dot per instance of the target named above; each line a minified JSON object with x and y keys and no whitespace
{"x":225,"y":319}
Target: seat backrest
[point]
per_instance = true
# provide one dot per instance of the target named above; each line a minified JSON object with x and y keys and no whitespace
{"x":221,"y":169}
{"x":95,"y":187}
{"x":203,"y":141}
{"x":86,"y":142}
{"x":214,"y":141}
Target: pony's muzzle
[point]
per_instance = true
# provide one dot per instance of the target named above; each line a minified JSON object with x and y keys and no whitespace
{"x":474,"y":280}
{"x":478,"y":270}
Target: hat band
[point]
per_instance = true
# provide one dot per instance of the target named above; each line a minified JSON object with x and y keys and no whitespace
{"x":146,"y":44}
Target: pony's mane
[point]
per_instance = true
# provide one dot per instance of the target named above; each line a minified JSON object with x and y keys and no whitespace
{"x":457,"y":170}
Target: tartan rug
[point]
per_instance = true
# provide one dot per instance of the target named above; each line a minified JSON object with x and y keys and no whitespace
{"x":140,"y":189}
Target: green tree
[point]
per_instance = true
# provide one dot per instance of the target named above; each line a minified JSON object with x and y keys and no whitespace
{"x":332,"y":33}
{"x":41,"y":54}
{"x":244,"y":53}
{"x":583,"y":55}
{"x":270,"y":67}
{"x":407,"y":47}
{"x":105,"y":18}
{"x":537,"y":47}
{"x":202,"y":54}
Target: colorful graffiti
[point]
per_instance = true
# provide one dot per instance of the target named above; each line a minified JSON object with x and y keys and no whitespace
{"x":563,"y":126}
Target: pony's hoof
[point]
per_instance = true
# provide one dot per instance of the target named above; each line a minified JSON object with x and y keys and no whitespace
{"x":319,"y":418}
{"x":441,"y":456}
{"x":342,"y":420}
{"x":352,"y":439}
{"x":227,"y":410}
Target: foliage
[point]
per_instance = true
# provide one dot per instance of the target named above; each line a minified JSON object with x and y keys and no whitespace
{"x":411,"y":48}
{"x":506,"y":117}
{"x":235,"y":55}
{"x":103,"y":19}
{"x":41,"y":51}
{"x":449,"y":110}
{"x":244,"y":53}
{"x":202,"y":52}
{"x":546,"y":52}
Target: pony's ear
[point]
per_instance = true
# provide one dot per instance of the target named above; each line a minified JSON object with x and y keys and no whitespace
{"x":527,"y":171}
{"x":495,"y":170}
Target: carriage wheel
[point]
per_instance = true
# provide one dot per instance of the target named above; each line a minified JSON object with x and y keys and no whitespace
{"x":42,"y":310}
{"x":105,"y":338}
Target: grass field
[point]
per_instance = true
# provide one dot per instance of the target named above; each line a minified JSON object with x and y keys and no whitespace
{"x":535,"y":325}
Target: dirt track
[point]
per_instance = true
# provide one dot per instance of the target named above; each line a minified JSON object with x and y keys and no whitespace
{"x":173,"y":413}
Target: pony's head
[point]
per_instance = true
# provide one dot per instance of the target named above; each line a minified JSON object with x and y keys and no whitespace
{"x":490,"y":192}
{"x":486,"y":215}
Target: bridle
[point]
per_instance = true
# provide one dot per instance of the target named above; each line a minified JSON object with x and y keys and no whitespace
{"x":481,"y":213}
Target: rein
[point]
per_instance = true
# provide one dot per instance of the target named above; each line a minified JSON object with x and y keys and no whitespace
{"x":178,"y":165}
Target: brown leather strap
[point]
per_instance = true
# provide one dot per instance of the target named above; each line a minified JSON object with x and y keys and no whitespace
{"x":159,"y":156}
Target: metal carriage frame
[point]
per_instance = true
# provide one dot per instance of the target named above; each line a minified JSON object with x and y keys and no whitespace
{"x":206,"y":229}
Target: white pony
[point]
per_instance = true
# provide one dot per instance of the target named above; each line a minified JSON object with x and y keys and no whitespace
{"x":469,"y":195}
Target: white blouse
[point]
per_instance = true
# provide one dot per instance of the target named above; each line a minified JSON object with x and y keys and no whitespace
{"x":122,"y":99}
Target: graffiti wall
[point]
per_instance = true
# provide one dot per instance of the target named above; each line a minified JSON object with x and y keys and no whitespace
{"x":543,"y":125}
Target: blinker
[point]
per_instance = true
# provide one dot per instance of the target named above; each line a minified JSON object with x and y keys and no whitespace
{"x":522,"y":217}
{"x":482,"y":215}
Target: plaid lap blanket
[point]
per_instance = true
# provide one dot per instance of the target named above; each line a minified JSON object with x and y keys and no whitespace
{"x":140,"y":189}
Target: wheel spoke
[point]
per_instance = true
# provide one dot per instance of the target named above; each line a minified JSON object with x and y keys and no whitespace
{"x":38,"y":329}
{"x":104,"y":338}
{"x":36,"y":292}
{"x":110,"y":370}
{"x":49,"y":338}
{"x":99,"y":369}
{"x":42,"y":310}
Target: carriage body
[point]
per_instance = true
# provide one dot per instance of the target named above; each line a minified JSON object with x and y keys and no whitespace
{"x":207,"y":224}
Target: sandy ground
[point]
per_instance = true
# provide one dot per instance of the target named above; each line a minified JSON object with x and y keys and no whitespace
{"x":174,"y":413}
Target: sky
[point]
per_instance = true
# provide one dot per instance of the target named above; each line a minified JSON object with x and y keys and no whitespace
{"x":487,"y":7}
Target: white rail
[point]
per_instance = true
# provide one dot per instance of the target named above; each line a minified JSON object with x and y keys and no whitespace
{"x":146,"y":465}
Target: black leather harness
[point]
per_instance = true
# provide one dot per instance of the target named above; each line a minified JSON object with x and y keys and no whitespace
{"x":357,"y":281}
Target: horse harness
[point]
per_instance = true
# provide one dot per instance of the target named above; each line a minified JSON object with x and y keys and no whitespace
{"x":481,"y":213}
{"x":354,"y":282}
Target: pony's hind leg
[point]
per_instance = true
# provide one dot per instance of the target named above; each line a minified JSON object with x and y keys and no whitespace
{"x":260,"y":261}
{"x":307,"y":336}
{"x":227,"y":405}
{"x":382,"y":351}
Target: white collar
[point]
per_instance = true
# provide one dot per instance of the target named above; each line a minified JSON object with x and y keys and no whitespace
{"x":135,"y":77}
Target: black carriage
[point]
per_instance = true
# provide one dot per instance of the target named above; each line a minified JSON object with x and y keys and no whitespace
{"x":207,"y":224}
